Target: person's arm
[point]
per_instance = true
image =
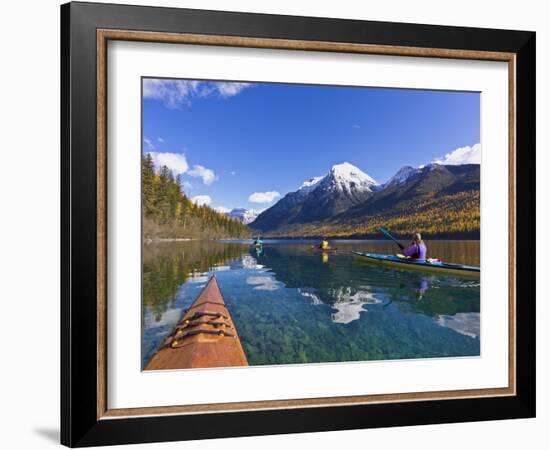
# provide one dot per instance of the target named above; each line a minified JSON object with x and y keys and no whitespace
{"x":410,"y":250}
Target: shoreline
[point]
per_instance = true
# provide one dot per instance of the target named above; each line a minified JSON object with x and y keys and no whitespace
{"x":153,"y":240}
{"x":298,"y":239}
{"x":475,"y":236}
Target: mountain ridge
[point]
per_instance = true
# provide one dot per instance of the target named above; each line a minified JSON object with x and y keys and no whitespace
{"x":435,"y":199}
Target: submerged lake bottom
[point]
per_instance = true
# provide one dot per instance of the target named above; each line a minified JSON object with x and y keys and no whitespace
{"x":292,"y":304}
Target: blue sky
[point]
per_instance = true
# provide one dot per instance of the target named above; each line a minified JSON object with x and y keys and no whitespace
{"x":229,"y":141}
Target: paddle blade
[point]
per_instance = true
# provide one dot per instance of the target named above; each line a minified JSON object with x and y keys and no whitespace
{"x":388,"y":235}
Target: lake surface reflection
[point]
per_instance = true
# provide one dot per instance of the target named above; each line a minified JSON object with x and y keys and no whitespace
{"x":292,"y":304}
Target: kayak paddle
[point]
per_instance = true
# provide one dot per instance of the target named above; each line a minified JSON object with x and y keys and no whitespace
{"x":388,"y":235}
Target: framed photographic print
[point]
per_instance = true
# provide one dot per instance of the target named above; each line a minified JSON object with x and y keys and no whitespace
{"x":277,"y":224}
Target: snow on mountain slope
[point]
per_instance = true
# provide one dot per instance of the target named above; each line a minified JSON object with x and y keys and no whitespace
{"x":346,"y":177}
{"x":401,"y":176}
{"x":407,"y":172}
{"x":309,"y":185}
{"x":343,"y":177}
{"x":246,"y":216}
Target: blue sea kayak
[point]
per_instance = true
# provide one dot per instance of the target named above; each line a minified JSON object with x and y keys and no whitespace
{"x":429,"y":264}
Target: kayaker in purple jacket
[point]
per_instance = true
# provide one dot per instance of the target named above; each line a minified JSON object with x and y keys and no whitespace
{"x":417,"y":249}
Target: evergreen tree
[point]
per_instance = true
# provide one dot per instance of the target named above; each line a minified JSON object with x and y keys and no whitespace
{"x":173,"y":213}
{"x":148,"y":183}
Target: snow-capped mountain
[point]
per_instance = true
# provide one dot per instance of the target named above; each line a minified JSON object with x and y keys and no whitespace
{"x":342,"y":177}
{"x":246,"y":216}
{"x":348,"y":196}
{"x":404,"y":174}
{"x":348,"y":178}
{"x":401,"y":176}
{"x":319,"y":198}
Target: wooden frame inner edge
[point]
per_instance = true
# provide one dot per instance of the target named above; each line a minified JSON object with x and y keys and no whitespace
{"x":103,"y":36}
{"x":512,"y":242}
{"x":101,"y":223}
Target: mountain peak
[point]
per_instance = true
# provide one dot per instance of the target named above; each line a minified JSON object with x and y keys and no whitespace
{"x":402,"y":175}
{"x":431,"y":166}
{"x":348,"y":172}
{"x":319,"y":198}
{"x":343,"y":167}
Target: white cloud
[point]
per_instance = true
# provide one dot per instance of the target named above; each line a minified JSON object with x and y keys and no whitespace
{"x":222,"y":209}
{"x":208,"y":176}
{"x":201,"y":200}
{"x":230,"y":89}
{"x":160,"y":140}
{"x":177,"y":93}
{"x":462,"y":155}
{"x":171,"y":92}
{"x":176,"y":162}
{"x":263,"y":197}
{"x":149,"y":144}
{"x":233,"y":173}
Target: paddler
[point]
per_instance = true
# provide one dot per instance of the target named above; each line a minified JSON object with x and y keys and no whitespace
{"x":324,"y":244}
{"x":417,"y":249}
{"x":258,"y":242}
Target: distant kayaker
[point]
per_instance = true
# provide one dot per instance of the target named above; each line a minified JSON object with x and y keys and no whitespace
{"x":417,"y":249}
{"x":324,"y":244}
{"x":258,"y":242}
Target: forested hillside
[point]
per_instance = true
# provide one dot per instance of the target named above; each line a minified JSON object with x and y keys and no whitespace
{"x":454,"y":215}
{"x":168,"y":213}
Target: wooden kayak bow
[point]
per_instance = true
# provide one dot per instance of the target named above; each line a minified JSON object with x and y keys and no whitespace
{"x":206,"y":336}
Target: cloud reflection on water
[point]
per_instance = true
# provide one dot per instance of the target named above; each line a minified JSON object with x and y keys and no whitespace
{"x":349,"y":303}
{"x":264,"y":283}
{"x":463,"y":323}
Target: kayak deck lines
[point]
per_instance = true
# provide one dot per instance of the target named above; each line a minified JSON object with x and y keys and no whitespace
{"x":179,"y":340}
{"x":205,"y":336}
{"x":429,"y":264}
